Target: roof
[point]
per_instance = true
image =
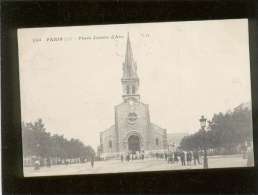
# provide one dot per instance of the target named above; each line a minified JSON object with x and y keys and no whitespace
{"x":110,"y":128}
{"x":156,"y":127}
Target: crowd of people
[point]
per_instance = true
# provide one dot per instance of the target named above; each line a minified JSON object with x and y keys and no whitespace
{"x":185,"y":157}
{"x":138,"y":155}
{"x":178,"y":157}
{"x":39,"y":162}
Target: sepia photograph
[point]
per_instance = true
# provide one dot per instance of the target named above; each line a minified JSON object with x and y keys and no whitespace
{"x":135,"y":97}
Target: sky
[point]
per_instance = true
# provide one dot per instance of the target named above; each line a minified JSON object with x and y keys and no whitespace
{"x":71,"y":76}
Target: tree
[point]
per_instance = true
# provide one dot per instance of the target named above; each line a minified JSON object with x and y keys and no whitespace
{"x":227,"y":131}
{"x":38,"y":142}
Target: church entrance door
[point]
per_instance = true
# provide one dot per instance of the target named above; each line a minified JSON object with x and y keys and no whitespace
{"x":133,"y":143}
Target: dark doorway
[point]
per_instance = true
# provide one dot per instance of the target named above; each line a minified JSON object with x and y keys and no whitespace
{"x":133,"y":143}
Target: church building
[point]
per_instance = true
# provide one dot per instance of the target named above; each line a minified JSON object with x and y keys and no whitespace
{"x":133,"y":130}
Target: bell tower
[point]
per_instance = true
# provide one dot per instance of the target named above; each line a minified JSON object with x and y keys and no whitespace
{"x":130,"y":80}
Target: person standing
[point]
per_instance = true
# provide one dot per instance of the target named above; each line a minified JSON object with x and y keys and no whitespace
{"x":36,"y":165}
{"x":166,"y":156}
{"x":176,"y":156}
{"x":138,"y":155}
{"x":196,"y":157}
{"x":131,"y":156}
{"x":170,"y":157}
{"x":122,"y":157}
{"x":188,"y":157}
{"x":48,"y":162}
{"x":182,"y":158}
{"x":92,"y":161}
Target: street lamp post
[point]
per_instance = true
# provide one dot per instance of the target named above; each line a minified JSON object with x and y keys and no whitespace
{"x":37,"y":162}
{"x":38,"y":150}
{"x":203,"y":125}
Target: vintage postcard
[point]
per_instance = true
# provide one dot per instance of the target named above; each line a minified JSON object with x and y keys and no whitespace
{"x":135,"y":97}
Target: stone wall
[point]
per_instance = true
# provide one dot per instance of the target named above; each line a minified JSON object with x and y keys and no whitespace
{"x":107,"y":137}
{"x":132,"y":119}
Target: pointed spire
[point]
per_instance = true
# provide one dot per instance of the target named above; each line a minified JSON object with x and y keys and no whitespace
{"x":129,"y":64}
{"x":129,"y":52}
{"x":130,"y":80}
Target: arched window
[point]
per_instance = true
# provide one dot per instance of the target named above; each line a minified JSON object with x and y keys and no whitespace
{"x":157,"y":141}
{"x":127,"y":89}
{"x":110,"y":144}
{"x":133,"y":89}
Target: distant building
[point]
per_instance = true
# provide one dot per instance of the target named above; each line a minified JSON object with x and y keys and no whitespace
{"x":133,"y":131}
{"x":175,"y":138}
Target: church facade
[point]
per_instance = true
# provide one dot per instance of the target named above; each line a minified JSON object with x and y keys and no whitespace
{"x":132,"y":130}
